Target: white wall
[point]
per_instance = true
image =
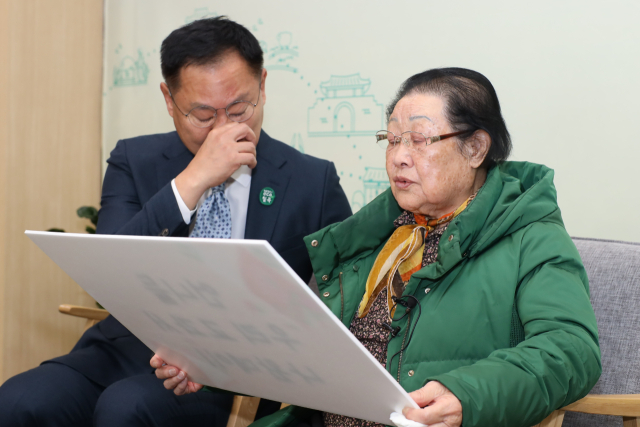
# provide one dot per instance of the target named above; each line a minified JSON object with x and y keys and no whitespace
{"x":566,"y":74}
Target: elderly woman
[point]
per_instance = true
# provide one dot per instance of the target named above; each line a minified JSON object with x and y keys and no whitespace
{"x":500,"y":330}
{"x":461,"y":279}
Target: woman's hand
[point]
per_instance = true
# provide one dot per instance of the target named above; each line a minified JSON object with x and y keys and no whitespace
{"x":443,"y":410}
{"x":174,"y":378}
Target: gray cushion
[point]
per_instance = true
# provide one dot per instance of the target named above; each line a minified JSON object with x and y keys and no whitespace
{"x":614,"y":280}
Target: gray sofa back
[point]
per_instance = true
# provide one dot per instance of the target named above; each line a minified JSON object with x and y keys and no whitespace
{"x":614,"y":281}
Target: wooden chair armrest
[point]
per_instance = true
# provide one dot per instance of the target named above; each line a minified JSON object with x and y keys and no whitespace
{"x":243,"y":411}
{"x":626,"y":405}
{"x":554,"y":419}
{"x":86,"y":312}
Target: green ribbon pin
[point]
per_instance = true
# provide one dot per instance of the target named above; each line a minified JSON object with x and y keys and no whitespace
{"x":267,"y":196}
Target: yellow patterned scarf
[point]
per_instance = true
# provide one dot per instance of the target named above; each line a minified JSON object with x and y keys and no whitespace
{"x":403,"y":253}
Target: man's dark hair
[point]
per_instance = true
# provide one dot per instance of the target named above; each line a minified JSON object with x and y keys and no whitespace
{"x":206,"y":42}
{"x":471,"y":103}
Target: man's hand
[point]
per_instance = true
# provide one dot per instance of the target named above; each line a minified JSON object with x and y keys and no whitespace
{"x":443,"y":410}
{"x":174,"y":378}
{"x":225,"y":149}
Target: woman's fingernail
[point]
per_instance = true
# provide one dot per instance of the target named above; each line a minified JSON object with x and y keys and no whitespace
{"x":172,"y":372}
{"x":181,"y":375}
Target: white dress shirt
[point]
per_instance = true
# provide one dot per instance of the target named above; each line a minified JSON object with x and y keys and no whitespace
{"x":236,"y":191}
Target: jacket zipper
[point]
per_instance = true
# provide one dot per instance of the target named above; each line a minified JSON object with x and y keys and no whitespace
{"x":341,"y":297}
{"x":402,"y":346}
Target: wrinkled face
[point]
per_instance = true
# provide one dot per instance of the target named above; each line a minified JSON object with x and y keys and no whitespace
{"x":431,"y":180}
{"x":215,"y":86}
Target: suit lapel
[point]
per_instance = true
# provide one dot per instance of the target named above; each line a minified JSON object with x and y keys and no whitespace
{"x":176,"y":159}
{"x":271,"y":171}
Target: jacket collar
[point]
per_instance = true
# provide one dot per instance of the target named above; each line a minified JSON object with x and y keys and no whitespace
{"x":271,"y":171}
{"x":174,"y":146}
{"x":362,"y":232}
{"x":514,"y":195}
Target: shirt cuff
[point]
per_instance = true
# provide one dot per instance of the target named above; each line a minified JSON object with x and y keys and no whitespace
{"x":184,"y":210}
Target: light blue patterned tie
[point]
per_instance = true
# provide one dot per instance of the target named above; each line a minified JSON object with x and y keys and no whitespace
{"x":214,"y":216}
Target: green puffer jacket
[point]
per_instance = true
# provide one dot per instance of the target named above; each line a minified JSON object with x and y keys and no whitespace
{"x":506,"y":321}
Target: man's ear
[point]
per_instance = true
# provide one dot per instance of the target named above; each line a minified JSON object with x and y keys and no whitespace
{"x":478,"y":146}
{"x":167,"y":97}
{"x":263,"y":82}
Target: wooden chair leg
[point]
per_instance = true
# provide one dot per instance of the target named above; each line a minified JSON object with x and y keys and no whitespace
{"x":243,"y":411}
{"x":631,"y":421}
{"x":554,"y":419}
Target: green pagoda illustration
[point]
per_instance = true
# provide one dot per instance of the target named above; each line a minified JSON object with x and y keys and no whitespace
{"x":280,"y":57}
{"x":345,"y":109}
{"x":375,"y":181}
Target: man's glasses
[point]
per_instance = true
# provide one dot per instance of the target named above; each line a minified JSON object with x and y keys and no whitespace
{"x":417,"y":140}
{"x":203,"y":117}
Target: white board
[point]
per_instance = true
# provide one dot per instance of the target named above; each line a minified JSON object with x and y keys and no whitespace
{"x":233,"y":315}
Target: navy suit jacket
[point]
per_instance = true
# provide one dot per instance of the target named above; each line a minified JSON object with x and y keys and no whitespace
{"x":137,"y":199}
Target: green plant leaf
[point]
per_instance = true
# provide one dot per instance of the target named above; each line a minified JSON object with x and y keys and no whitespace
{"x":56,"y":230}
{"x":90,"y":230}
{"x":88,"y":212}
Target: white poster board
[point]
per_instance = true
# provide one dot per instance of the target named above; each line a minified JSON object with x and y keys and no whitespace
{"x":233,"y":315}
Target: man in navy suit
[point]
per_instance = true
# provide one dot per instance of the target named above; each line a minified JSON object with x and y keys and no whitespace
{"x":214,"y":90}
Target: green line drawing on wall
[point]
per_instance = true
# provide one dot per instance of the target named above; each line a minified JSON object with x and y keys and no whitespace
{"x":280,"y":57}
{"x":131,"y":72}
{"x":255,"y":27}
{"x":345,"y":109}
{"x":296,"y":142}
{"x":199,"y":13}
{"x":375,"y":181}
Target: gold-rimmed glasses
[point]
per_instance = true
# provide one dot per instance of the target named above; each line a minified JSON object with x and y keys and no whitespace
{"x":205,"y":116}
{"x":388,"y":140}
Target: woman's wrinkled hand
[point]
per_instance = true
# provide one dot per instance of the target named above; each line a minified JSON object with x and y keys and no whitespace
{"x":438,"y":406}
{"x":174,"y":378}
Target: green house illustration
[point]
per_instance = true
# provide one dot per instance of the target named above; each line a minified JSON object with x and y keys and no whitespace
{"x":131,"y":72}
{"x":375,"y":181}
{"x":345,"y":109}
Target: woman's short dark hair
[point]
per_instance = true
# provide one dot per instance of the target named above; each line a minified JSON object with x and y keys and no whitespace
{"x":206,"y":42}
{"x":471,"y":103}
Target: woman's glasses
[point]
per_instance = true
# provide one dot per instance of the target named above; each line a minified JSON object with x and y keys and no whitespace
{"x":417,"y":140}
